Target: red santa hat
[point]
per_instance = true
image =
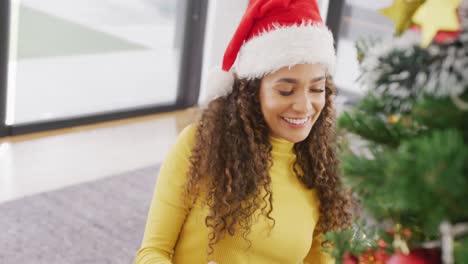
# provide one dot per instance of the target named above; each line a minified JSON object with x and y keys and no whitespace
{"x":274,"y":34}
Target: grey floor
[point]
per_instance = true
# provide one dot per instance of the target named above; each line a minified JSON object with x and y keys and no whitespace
{"x":98,"y":222}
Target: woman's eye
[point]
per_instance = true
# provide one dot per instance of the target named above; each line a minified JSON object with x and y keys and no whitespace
{"x":316,"y":90}
{"x":285,"y":93}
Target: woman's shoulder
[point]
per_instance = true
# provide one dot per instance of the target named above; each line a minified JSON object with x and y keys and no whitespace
{"x":188,"y":132}
{"x":186,"y":137}
{"x":182,"y":147}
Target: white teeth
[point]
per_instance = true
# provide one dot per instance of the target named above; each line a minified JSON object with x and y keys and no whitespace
{"x":296,"y":121}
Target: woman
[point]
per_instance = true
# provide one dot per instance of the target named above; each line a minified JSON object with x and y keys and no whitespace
{"x":255,"y":179}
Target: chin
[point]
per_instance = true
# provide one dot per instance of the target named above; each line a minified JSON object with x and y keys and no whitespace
{"x":296,"y":138}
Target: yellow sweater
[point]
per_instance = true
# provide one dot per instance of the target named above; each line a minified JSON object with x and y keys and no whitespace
{"x":175,"y":234}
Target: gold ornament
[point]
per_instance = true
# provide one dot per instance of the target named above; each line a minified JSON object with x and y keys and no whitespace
{"x":400,"y":12}
{"x":435,"y":15}
{"x":393,"y":119}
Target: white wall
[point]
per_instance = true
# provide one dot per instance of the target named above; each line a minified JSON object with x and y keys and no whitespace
{"x":323,"y":6}
{"x":223,"y":18}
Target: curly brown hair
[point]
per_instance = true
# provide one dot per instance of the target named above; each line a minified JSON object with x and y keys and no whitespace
{"x":231,"y":159}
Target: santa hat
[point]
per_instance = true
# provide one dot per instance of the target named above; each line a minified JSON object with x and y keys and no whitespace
{"x":273,"y":34}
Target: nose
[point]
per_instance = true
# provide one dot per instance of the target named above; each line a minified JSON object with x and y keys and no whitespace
{"x":302,"y":103}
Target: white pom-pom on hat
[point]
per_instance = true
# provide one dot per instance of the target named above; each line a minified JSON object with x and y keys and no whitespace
{"x":218,"y":83}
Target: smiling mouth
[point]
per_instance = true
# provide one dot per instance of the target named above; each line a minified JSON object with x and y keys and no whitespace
{"x":296,"y":121}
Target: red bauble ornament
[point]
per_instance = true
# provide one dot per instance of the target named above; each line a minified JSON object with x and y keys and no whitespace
{"x":417,"y":256}
{"x":441,"y":36}
{"x":374,"y":256}
{"x":381,"y":256}
{"x":349,"y":258}
{"x":446,"y":36}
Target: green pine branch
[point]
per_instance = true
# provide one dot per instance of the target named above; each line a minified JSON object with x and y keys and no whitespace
{"x":421,"y":182}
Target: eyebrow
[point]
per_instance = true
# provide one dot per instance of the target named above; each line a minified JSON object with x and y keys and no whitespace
{"x":294,"y":81}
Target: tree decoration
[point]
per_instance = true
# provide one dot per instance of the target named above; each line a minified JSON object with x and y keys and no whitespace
{"x":436,"y":15}
{"x":400,"y":12}
{"x":404,"y":146}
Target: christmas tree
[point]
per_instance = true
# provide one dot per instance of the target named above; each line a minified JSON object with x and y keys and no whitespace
{"x":405,"y":144}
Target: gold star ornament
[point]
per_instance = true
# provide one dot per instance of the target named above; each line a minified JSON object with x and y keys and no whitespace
{"x":400,"y":12}
{"x":436,"y":15}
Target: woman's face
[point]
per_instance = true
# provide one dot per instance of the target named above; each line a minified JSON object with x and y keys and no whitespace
{"x":292,"y":99}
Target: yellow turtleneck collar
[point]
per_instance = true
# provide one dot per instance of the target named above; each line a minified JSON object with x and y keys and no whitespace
{"x":282,"y":145}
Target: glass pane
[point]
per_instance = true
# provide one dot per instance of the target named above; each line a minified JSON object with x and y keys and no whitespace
{"x":360,"y":20}
{"x":80,"y":57}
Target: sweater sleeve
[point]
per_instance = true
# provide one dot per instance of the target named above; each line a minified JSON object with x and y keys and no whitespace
{"x":316,"y":255}
{"x":167,"y":211}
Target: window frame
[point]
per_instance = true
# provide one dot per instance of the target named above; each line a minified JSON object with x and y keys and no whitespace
{"x":188,"y":80}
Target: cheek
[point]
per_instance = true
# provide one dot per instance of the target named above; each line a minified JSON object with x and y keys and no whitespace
{"x":320,"y":103}
{"x":271,"y":105}
{"x":269,"y":110}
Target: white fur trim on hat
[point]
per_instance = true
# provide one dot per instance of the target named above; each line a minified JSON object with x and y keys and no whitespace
{"x":218,"y":83}
{"x":286,"y":46}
